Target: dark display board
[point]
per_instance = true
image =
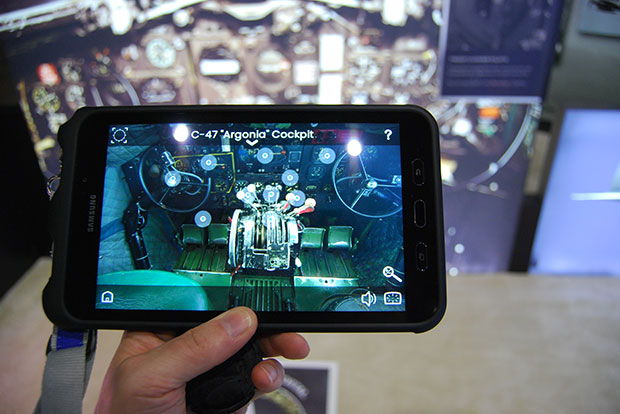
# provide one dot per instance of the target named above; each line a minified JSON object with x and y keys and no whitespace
{"x":579,"y":221}
{"x":499,"y":48}
{"x":272,"y":52}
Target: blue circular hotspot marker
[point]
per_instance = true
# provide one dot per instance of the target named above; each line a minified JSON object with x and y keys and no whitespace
{"x":264,"y":155}
{"x":172,"y":178}
{"x":271,"y":194}
{"x":208,"y":162}
{"x":248,"y":197}
{"x":290,"y":177}
{"x":298,"y":199}
{"x":327,"y":156}
{"x":202,"y":218}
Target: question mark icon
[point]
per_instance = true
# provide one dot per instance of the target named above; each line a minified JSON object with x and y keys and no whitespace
{"x":388,"y":133}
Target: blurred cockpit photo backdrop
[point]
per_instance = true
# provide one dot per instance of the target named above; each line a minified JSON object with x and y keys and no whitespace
{"x":480,"y":67}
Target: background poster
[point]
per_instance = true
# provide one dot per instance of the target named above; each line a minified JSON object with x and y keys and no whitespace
{"x":498,"y":48}
{"x":69,"y":54}
{"x":310,"y":387}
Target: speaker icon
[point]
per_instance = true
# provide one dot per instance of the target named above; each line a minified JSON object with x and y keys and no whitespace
{"x":369,"y":298}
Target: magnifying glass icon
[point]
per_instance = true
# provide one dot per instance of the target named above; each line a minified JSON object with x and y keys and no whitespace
{"x":388,"y":271}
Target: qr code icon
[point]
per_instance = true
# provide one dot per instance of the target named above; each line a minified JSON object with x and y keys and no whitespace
{"x":392,"y":298}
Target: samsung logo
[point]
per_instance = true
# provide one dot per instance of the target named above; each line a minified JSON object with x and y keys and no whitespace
{"x":92,"y":210}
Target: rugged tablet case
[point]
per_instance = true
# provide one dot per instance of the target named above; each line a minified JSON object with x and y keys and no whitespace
{"x":60,"y":215}
{"x":54,"y":293}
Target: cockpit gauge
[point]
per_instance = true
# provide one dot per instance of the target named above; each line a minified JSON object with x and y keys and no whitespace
{"x":294,"y":157}
{"x":70,"y":70}
{"x":74,"y":95}
{"x":106,"y":85}
{"x":273,"y":71}
{"x":364,"y":69}
{"x":158,"y":90}
{"x":245,"y":154}
{"x":315,"y":172}
{"x":160,"y":53}
{"x":46,"y":100}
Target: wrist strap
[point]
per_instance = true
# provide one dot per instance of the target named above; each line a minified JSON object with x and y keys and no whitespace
{"x":70,"y":356}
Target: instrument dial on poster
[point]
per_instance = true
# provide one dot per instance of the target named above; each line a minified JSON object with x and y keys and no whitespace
{"x":71,"y":71}
{"x":160,"y":53}
{"x":272,"y":64}
{"x":45,"y":100}
{"x":74,"y":95}
{"x":364,"y":70}
{"x":273,"y":71}
{"x":158,"y":91}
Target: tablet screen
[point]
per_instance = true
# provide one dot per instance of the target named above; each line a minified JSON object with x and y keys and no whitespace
{"x":278,"y":217}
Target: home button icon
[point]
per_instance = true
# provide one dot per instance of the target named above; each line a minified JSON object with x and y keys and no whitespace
{"x":107,"y":297}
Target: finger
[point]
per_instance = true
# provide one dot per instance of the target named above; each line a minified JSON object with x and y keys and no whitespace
{"x":267,"y":376}
{"x":289,"y":345}
{"x":199,"y":349}
{"x":134,"y":343}
{"x":166,"y":335}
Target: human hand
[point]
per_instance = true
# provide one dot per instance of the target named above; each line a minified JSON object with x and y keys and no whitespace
{"x":149,"y":371}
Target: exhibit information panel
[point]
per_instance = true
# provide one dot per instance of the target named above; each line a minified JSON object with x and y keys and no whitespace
{"x":498,"y":49}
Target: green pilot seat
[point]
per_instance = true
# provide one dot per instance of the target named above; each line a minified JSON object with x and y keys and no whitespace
{"x":150,"y":289}
{"x":205,"y":253}
{"x":192,"y":235}
{"x":218,"y":234}
{"x":312,"y":238}
{"x":331,"y":262}
{"x":340,"y":238}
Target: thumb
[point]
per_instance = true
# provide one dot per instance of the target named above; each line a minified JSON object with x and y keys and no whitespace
{"x":200,"y":349}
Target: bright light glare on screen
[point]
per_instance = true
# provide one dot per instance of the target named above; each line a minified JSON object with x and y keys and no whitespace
{"x":354,"y":148}
{"x":181,"y":133}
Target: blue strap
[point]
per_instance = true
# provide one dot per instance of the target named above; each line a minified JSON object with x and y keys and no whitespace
{"x":69,"y":339}
{"x":70,"y":357}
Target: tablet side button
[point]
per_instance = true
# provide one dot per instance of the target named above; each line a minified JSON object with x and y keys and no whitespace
{"x":419,"y":213}
{"x":421,"y":254}
{"x":418,"y":171}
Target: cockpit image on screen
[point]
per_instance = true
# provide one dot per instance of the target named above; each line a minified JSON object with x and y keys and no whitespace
{"x":277,"y":217}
